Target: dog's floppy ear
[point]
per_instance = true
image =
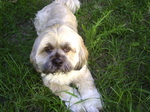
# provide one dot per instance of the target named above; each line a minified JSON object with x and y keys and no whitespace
{"x":33,"y":58}
{"x":83,"y":57}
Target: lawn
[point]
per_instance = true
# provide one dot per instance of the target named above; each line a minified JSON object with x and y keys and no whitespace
{"x":117,"y":36}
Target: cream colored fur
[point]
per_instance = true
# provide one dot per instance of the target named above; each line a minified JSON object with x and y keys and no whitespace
{"x":56,"y":26}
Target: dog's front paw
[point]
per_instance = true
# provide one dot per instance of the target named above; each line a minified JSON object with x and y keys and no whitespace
{"x":77,"y":108}
{"x":75,"y":104}
{"x":93,"y":105}
{"x":92,"y":109}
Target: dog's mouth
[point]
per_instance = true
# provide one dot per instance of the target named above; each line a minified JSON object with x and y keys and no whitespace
{"x":57,"y":66}
{"x":54,"y":69}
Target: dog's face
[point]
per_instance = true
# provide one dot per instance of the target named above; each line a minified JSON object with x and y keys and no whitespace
{"x":58,"y":49}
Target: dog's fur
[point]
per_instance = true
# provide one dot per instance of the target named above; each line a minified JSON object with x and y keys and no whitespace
{"x":60,"y":55}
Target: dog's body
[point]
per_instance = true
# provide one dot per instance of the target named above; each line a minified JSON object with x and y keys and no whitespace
{"x":60,"y":55}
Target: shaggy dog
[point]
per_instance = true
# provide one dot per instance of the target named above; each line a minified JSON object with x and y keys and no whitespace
{"x":60,"y":55}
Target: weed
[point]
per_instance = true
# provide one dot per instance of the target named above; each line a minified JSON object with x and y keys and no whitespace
{"x":116,"y":34}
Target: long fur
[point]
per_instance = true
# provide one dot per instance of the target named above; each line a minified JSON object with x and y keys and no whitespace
{"x":56,"y":28}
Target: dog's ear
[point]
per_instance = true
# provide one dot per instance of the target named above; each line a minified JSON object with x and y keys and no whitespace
{"x":33,"y":58}
{"x":83,"y":57}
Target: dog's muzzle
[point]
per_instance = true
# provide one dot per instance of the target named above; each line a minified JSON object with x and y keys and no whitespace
{"x":57,"y":65}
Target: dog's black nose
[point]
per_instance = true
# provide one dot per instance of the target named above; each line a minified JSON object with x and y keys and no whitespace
{"x":57,"y":62}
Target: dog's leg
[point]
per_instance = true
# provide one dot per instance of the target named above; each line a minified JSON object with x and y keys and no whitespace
{"x":69,"y":95}
{"x":89,"y":93}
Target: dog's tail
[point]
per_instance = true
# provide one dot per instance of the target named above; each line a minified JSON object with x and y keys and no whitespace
{"x":73,"y":5}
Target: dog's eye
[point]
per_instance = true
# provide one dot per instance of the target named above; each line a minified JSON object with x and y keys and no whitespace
{"x":66,"y":49}
{"x":48,"y":49}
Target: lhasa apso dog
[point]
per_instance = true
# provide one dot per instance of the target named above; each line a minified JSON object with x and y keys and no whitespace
{"x":60,"y":55}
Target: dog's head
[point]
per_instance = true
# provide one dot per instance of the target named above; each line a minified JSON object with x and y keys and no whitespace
{"x":58,"y":49}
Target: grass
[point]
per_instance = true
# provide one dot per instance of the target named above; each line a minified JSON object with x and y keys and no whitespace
{"x":116,"y":33}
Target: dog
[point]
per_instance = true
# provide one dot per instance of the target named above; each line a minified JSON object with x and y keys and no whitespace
{"x":60,"y":55}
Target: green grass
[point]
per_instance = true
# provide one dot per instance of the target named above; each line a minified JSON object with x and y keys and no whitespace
{"x":116,"y":33}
